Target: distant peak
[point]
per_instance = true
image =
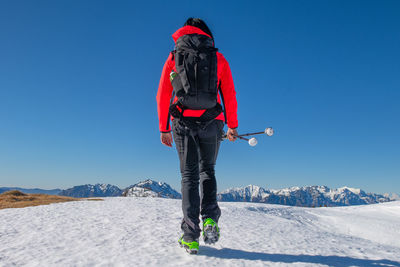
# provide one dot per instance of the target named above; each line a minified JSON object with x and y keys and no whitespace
{"x":353,"y":190}
{"x":148,"y":181}
{"x":151,"y":188}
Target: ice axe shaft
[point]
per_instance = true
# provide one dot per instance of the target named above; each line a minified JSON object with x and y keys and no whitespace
{"x":248,"y":134}
{"x":241,"y":137}
{"x":268,"y":131}
{"x":238,"y":136}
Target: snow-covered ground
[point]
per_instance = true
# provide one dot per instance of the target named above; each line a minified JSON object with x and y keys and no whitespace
{"x":144,"y":232}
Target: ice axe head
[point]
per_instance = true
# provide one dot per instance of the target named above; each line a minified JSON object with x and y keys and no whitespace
{"x":269,"y":131}
{"x":253,"y":141}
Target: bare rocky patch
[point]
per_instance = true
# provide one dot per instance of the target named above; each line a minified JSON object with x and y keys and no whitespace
{"x":18,"y":199}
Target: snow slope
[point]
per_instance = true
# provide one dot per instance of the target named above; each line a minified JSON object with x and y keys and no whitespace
{"x":122,"y":231}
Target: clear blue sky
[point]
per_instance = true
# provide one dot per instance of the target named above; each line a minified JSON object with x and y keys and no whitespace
{"x":78,"y":81}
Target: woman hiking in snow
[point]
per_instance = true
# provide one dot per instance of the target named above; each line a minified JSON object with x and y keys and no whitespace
{"x":195,"y":81}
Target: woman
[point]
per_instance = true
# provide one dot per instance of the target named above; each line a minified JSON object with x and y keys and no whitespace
{"x":196,"y":68}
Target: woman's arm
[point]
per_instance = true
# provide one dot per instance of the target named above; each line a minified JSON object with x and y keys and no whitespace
{"x":164,"y":95}
{"x":228,"y":92}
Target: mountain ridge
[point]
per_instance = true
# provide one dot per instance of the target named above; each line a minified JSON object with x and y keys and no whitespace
{"x":306,"y":196}
{"x":89,"y":190}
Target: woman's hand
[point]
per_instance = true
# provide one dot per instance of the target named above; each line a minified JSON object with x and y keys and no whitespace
{"x":166,"y":139}
{"x":231,"y":134}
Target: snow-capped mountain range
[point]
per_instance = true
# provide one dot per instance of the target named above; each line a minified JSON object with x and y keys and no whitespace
{"x":146,"y":188}
{"x":308,"y":196}
{"x":89,"y":190}
{"x":150,"y":188}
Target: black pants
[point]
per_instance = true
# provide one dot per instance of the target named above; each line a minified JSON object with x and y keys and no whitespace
{"x":197,"y":149}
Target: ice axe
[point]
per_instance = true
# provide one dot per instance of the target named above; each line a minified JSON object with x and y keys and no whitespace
{"x":253,"y":141}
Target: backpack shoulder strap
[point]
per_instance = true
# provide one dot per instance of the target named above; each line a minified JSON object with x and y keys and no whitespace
{"x":223,"y":102}
{"x":173,"y":54}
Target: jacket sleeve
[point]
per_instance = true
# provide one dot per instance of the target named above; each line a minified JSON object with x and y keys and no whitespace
{"x":228,"y":94}
{"x":164,"y":95}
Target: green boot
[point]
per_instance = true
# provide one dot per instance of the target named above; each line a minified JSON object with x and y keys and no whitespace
{"x":191,"y":247}
{"x":210,"y":231}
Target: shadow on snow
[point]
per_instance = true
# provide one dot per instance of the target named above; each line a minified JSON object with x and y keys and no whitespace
{"x":228,"y":253}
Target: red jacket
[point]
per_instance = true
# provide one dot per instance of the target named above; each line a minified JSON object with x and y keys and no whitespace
{"x":224,"y":80}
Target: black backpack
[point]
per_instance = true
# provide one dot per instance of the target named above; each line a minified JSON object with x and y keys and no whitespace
{"x":195,"y":82}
